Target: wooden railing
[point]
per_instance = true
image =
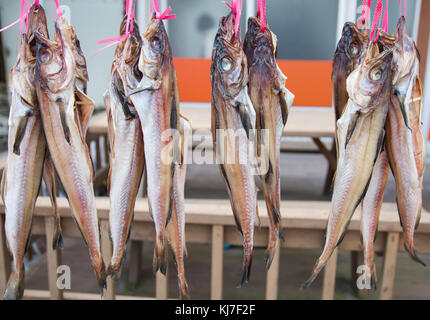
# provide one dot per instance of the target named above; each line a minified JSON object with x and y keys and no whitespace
{"x":211,"y":222}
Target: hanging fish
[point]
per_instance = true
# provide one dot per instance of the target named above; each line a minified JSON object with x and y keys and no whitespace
{"x":404,"y":138}
{"x":176,"y":226}
{"x":65,"y":112}
{"x":126,"y":144}
{"x":156,"y":102}
{"x":272,"y":102}
{"x":360,"y":133}
{"x":26,"y":157}
{"x":233,"y":120}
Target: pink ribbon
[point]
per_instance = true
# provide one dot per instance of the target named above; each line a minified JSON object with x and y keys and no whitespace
{"x":261,"y":4}
{"x":376,"y":16}
{"x":57,"y":5}
{"x":385,"y":23}
{"x":23,"y":17}
{"x":236,"y":8}
{"x":130,"y":11}
{"x":162,"y":16}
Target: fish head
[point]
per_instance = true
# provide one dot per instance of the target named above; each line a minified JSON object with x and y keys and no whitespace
{"x":36,"y":22}
{"x":259,"y":47}
{"x":156,"y":54}
{"x":406,"y":56}
{"x":229,"y":72}
{"x":350,"y":48}
{"x":370,"y":84}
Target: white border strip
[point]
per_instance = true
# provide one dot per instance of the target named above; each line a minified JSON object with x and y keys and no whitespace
{"x":426,"y":103}
{"x":347,"y":11}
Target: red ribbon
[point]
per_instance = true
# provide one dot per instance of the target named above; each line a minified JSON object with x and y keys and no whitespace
{"x":261,"y":5}
{"x":59,"y":13}
{"x":385,"y":23}
{"x":405,"y":9}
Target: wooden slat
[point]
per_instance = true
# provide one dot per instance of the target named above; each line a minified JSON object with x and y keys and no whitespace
{"x":273,"y":276}
{"x":4,"y":258}
{"x":329,"y":280}
{"x":302,"y":122}
{"x":44,"y":294}
{"x":217,"y":262}
{"x":106,"y":247}
{"x":423,"y":36}
{"x":135,"y":264}
{"x":389,"y":268}
{"x":53,"y":258}
{"x":161,"y":284}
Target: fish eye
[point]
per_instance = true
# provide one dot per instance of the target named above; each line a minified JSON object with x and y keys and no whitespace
{"x":354,"y":49}
{"x":156,"y":43}
{"x":376,"y":74}
{"x":45,"y":56}
{"x":225,"y":64}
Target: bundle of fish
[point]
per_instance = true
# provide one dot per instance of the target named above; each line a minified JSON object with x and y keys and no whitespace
{"x":248,"y":97}
{"x":47,"y":125}
{"x":377,"y":98}
{"x":147,"y":135}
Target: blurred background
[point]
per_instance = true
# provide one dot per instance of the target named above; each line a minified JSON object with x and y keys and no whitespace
{"x":307,"y":31}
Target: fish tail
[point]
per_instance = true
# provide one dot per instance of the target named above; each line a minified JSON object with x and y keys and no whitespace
{"x":319,"y":265}
{"x":160,"y":259}
{"x":270,"y":253}
{"x":15,"y":285}
{"x":114,"y":268}
{"x":409,"y":247}
{"x":373,"y":277}
{"x":100,"y":273}
{"x":57,"y":241}
{"x":246,"y":267}
{"x":184,"y":292}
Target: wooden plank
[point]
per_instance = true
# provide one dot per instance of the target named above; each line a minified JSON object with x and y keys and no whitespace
{"x":272,"y":276}
{"x":106,"y":247}
{"x":389,"y":268}
{"x":302,"y":122}
{"x":70,"y":295}
{"x":53,"y":259}
{"x":135,"y":263}
{"x":329,"y":280}
{"x":217,"y":262}
{"x":161,"y":282}
{"x":4,"y":258}
{"x":423,"y":36}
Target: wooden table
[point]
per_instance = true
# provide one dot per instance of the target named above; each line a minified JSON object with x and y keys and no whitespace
{"x":314,"y":123}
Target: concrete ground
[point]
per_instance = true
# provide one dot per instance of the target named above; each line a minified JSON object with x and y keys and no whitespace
{"x":303,"y":177}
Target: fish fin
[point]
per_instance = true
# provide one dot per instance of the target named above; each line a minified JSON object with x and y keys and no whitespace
{"x":245,"y":119}
{"x":184,"y":292}
{"x":351,"y":127}
{"x":402,"y":109}
{"x":20,"y":131}
{"x":85,"y":107}
{"x":3,"y":182}
{"x":285,"y":106}
{"x":246,"y":267}
{"x":50,"y":180}
{"x":257,"y":215}
{"x":64,"y":124}
{"x":413,"y":254}
{"x":174,"y":112}
{"x":159,"y":261}
{"x":15,"y":285}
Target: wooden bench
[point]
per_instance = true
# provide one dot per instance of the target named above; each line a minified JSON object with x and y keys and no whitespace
{"x":211,"y":222}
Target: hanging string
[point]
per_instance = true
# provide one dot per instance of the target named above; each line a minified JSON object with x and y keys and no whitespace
{"x":376,"y":17}
{"x":365,"y":11}
{"x":36,"y":3}
{"x":162,"y":16}
{"x":59,"y":13}
{"x":236,"y":8}
{"x":385,"y":23}
{"x":130,"y":12}
{"x":405,"y":8}
{"x":261,"y":5}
